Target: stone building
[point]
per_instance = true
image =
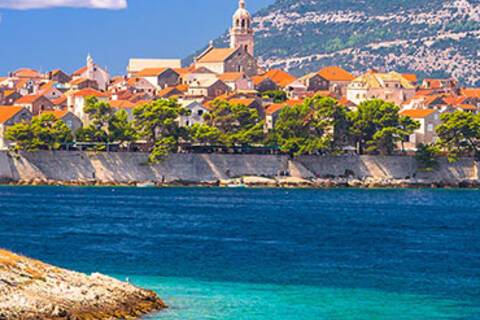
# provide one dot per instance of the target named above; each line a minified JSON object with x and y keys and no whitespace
{"x":391,"y":87}
{"x":93,"y":71}
{"x":429,"y":119}
{"x":240,"y":56}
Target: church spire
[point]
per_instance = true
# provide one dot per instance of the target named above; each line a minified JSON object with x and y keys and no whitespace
{"x":241,"y":34}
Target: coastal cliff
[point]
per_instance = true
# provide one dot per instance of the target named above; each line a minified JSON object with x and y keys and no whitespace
{"x":123,"y":168}
{"x":30,"y":289}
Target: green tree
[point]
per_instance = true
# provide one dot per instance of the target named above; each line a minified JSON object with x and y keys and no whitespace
{"x":44,"y":132}
{"x":237,"y":123}
{"x":157,"y":122}
{"x":427,"y":157}
{"x":204,"y":134}
{"x":327,"y":113}
{"x":407,"y":127}
{"x":99,"y":114}
{"x":317,"y":125}
{"x":22,"y":135}
{"x":376,"y":127}
{"x":162,"y":149}
{"x":120,"y":129}
{"x":277,"y":96}
{"x":459,"y":134}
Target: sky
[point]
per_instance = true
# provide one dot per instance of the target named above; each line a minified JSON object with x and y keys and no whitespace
{"x":50,"y":34}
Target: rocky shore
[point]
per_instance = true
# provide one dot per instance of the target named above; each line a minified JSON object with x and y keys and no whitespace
{"x":63,"y":168}
{"x":268,"y":182}
{"x":32,"y":290}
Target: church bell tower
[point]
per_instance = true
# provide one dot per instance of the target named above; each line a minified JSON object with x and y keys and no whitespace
{"x":241,"y":34}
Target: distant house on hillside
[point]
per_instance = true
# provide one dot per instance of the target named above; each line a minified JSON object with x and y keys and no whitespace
{"x":338,"y":79}
{"x":161,"y":78}
{"x":429,"y":120}
{"x":59,"y":76}
{"x":137,"y":65}
{"x":208,"y":88}
{"x":237,"y":81}
{"x":76,"y":101}
{"x":197,"y":111}
{"x":314,"y":82}
{"x":391,"y":87}
{"x":440,"y":85}
{"x":26,"y":73}
{"x":36,"y":104}
{"x":9,"y":116}
{"x":71,"y":120}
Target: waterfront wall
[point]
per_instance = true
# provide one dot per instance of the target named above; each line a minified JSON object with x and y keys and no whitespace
{"x":205,"y":168}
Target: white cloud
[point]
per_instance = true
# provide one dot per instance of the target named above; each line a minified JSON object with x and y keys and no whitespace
{"x":39,"y":4}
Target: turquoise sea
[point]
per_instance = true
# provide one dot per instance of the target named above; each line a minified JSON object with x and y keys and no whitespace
{"x":264,"y":253}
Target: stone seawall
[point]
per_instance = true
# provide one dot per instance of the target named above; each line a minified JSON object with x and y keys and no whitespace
{"x":130,"y":168}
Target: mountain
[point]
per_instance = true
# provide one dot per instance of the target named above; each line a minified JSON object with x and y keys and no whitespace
{"x":433,"y":38}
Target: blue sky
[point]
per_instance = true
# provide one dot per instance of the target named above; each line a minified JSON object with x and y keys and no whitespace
{"x":37,"y":34}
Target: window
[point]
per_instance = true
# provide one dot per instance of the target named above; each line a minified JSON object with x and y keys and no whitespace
{"x":200,"y":112}
{"x":243,"y":23}
{"x":430,"y":127}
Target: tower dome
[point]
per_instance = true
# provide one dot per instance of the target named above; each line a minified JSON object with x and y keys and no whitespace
{"x":241,"y":11}
{"x":241,"y":34}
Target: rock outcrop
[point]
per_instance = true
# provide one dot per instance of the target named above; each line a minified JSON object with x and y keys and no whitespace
{"x":30,"y":289}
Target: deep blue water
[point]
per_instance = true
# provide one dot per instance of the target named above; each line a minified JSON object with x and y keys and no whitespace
{"x":264,"y":254}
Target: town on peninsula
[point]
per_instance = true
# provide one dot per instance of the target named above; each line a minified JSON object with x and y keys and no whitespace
{"x":225,"y":119}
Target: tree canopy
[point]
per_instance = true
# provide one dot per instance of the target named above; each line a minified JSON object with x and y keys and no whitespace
{"x":44,"y":132}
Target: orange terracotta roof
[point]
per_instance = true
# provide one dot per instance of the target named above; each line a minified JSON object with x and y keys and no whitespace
{"x":122,"y":104}
{"x":345,"y":102}
{"x":470,"y":92}
{"x":412,"y":77}
{"x":27,"y":73}
{"x":182,"y":87}
{"x":8,"y":112}
{"x":59,"y":101}
{"x":417,"y":113}
{"x":20,"y":84}
{"x":271,"y":109}
{"x":58,"y":114}
{"x":467,"y":107}
{"x":245,"y":102}
{"x":280,"y":77}
{"x":216,"y":55}
{"x":6,"y":93}
{"x":150,"y":72}
{"x":80,"y":71}
{"x":182,"y":71}
{"x":89,"y":92}
{"x":28,"y":99}
{"x":453,"y":100}
{"x":424,"y":92}
{"x":334,"y":73}
{"x":231,"y":76}
{"x":78,"y":81}
{"x":258,"y":79}
{"x":168,"y":91}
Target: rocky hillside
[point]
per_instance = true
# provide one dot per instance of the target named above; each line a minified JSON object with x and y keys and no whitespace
{"x":434,"y":38}
{"x":30,"y":289}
